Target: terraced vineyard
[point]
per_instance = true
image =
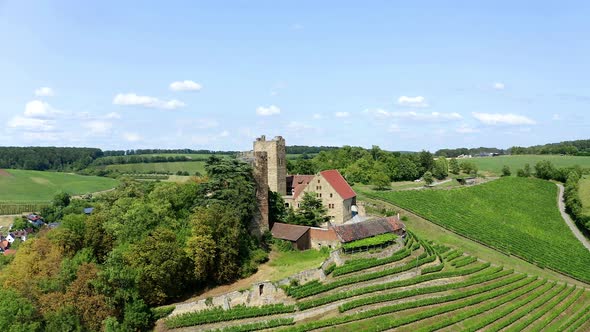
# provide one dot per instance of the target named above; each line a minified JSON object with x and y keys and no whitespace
{"x":517,"y":216}
{"x":421,"y":287}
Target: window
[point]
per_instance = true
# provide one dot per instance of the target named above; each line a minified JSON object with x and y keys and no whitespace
{"x":286,"y":204}
{"x":318,"y":181}
{"x":330,"y":195}
{"x":320,"y":195}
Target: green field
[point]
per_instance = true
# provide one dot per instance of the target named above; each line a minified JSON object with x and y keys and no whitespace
{"x":443,"y":290}
{"x":32,"y":186}
{"x":173,"y":167}
{"x":493,"y":165}
{"x":514,"y":215}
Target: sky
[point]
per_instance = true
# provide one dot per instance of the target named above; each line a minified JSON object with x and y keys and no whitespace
{"x":403,"y":75}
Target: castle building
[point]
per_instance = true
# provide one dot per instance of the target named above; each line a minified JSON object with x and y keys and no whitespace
{"x":329,"y":186}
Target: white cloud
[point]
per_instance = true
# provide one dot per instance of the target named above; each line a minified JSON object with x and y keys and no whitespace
{"x":40,"y":110}
{"x":31,"y":124}
{"x":394,"y":128}
{"x":44,"y":92}
{"x":131,"y":99}
{"x":317,"y":116}
{"x":132,"y":137}
{"x":415,"y":116}
{"x":98,"y":127}
{"x":498,"y":86}
{"x":503,"y":119}
{"x":185,"y":86}
{"x":342,"y":114}
{"x":556,"y":117}
{"x":417,"y":101}
{"x":267,"y":111}
{"x":465,"y":129}
{"x":113,"y":115}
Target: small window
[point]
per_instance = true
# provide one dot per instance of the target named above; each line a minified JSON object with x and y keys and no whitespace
{"x":318,"y":181}
{"x":260,"y":289}
{"x":320,"y":195}
{"x":331,"y":195}
{"x":286,"y":204}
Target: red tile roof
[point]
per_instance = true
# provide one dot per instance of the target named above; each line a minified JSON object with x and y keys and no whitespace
{"x":288,"y":231}
{"x":337,"y":182}
{"x":298,"y":182}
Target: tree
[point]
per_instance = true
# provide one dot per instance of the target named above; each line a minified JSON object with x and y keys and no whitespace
{"x":311,"y":211}
{"x":521,"y":173}
{"x":61,"y":199}
{"x":454,"y":166}
{"x":19,"y":223}
{"x":277,"y":212}
{"x":441,"y":168}
{"x":428,"y":178}
{"x":468,"y":167}
{"x":527,"y":170}
{"x":506,"y":171}
{"x":426,"y":161}
{"x":544,"y":170}
{"x":17,"y":313}
{"x":406,"y":170}
{"x":380,"y":180}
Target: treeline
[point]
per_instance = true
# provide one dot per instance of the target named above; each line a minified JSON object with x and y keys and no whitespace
{"x":47,"y":158}
{"x":145,"y":244}
{"x":371,"y":166}
{"x":578,"y":147}
{"x":109,"y":153}
{"x":304,"y":149}
{"x":133,"y":159}
{"x":453,"y":153}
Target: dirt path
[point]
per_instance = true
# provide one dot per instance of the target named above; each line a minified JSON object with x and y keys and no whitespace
{"x":94,"y":193}
{"x":570,"y":223}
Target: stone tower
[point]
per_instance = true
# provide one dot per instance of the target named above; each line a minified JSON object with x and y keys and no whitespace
{"x":276,"y":162}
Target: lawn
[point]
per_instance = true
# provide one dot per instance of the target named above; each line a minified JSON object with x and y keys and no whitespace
{"x":31,"y":186}
{"x":286,"y":263}
{"x":514,"y":215}
{"x":493,"y":165}
{"x":173,"y":167}
{"x":585,"y":194}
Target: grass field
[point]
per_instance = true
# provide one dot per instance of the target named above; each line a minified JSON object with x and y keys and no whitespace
{"x":173,"y":167}
{"x":514,"y":215}
{"x":30,"y":186}
{"x":585,"y":194}
{"x":493,"y":165}
{"x":430,"y":287}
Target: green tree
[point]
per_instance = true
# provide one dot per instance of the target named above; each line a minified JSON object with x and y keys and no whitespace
{"x":61,"y":199}
{"x":428,"y":178}
{"x":521,"y":173}
{"x":17,"y":313}
{"x":277,"y":212}
{"x":380,"y":180}
{"x":506,"y":171}
{"x":64,"y":319}
{"x":441,"y":168}
{"x":19,"y":223}
{"x":406,"y":170}
{"x":454,"y":166}
{"x":527,"y":170}
{"x":311,"y":211}
{"x":468,"y":167}
{"x":426,"y":161}
{"x":544,"y":170}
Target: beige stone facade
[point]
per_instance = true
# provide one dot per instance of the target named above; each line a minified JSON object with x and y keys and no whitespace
{"x":276,"y":162}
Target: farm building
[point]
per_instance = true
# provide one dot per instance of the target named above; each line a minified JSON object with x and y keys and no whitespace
{"x":305,"y":237}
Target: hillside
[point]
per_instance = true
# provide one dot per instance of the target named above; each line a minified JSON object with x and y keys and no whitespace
{"x":171,"y":167}
{"x":21,"y":185}
{"x":493,"y":165}
{"x":417,"y":286}
{"x":514,"y":215}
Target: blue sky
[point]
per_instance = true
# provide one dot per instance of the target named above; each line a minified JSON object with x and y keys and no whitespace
{"x":404,"y":75}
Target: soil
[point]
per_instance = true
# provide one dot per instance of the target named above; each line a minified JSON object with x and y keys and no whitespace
{"x":5,"y":173}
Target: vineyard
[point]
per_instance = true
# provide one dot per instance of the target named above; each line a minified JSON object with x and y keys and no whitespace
{"x":517,"y":216}
{"x":21,"y":207}
{"x":421,"y":287}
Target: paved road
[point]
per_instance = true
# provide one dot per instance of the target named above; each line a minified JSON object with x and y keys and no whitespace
{"x":569,"y":220}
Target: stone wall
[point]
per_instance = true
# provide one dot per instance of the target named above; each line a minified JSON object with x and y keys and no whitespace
{"x":261,"y":221}
{"x":277,"y":162}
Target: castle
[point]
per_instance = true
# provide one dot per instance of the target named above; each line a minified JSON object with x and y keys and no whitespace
{"x":269,"y":159}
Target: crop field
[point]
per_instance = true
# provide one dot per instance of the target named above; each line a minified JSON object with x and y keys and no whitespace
{"x":493,"y":165}
{"x":516,"y":216}
{"x":172,"y":167}
{"x":421,"y":287}
{"x":33,"y":187}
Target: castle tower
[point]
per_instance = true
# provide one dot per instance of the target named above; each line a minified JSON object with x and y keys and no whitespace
{"x":277,"y":162}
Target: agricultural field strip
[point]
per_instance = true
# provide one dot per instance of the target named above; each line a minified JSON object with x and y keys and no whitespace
{"x":573,"y":319}
{"x":358,"y":264}
{"x":497,"y":272}
{"x":314,"y":288}
{"x":477,"y":279}
{"x":489,"y":291}
{"x":256,"y":326}
{"x":568,"y":313}
{"x":534,"y":316}
{"x":512,"y":240}
{"x":538,"y":326}
{"x":215,"y":315}
{"x":495,"y":320}
{"x":579,"y":322}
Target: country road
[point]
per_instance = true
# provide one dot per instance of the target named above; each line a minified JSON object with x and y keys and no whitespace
{"x":569,"y":220}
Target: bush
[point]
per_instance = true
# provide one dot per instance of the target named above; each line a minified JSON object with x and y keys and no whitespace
{"x":506,"y":171}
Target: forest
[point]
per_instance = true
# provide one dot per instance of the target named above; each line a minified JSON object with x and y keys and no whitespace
{"x":105,"y":271}
{"x":47,"y":158}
